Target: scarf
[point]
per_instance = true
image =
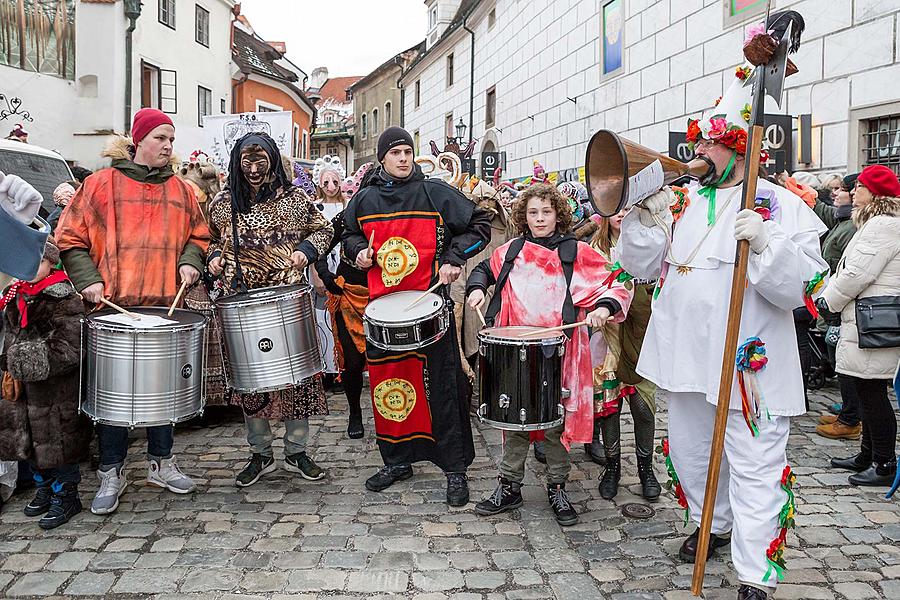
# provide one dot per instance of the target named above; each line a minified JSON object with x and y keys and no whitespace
{"x":240,"y":189}
{"x":20,"y":289}
{"x":842,"y":213}
{"x":709,"y":191}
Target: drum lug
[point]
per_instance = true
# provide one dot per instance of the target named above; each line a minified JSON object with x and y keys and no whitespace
{"x":481,"y":410}
{"x":481,"y":349}
{"x":561,"y":410}
{"x":566,"y":393}
{"x":523,"y":416}
{"x":503,"y":401}
{"x":562,"y":349}
{"x":523,"y":354}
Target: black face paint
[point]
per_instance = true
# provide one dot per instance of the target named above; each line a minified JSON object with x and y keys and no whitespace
{"x":255,"y":167}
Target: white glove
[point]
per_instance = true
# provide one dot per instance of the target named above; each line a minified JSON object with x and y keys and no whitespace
{"x":654,"y":205}
{"x":749,"y":225}
{"x":19,"y":198}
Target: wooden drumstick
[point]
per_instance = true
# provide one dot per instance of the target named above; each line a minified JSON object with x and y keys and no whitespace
{"x":552,"y":329}
{"x":422,"y":297}
{"x":371,"y":244}
{"x":177,"y":298}
{"x":127,"y":313}
{"x":480,"y":317}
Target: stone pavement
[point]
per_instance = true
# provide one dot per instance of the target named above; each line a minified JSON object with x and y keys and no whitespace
{"x":288,"y":538}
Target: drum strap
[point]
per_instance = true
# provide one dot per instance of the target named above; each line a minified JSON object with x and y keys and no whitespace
{"x":237,"y":283}
{"x":567,"y":250}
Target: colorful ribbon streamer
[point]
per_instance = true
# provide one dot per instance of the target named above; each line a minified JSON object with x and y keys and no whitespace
{"x":750,"y":360}
{"x":674,"y":484}
{"x":812,"y":288}
{"x":775,"y":552}
{"x":616,"y":273}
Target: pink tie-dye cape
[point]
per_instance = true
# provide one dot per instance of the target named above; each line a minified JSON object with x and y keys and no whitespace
{"x":534,"y":295}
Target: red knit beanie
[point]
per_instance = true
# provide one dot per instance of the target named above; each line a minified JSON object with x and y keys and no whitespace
{"x":145,"y":121}
{"x":880,"y":180}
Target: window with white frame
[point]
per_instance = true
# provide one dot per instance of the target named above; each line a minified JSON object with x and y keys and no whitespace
{"x":204,"y":103}
{"x":304,"y":144}
{"x":490,"y":108}
{"x":448,"y":126}
{"x":449,"y":70}
{"x":167,"y":13}
{"x":388,"y":109}
{"x":295,"y":140}
{"x":418,"y":94}
{"x":374,"y":121}
{"x":881,"y":142}
{"x":201,"y":25}
{"x":492,"y":18}
{"x":432,"y":17}
{"x":364,"y":126}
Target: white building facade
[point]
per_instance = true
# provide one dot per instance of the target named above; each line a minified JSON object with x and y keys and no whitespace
{"x":181,"y":63}
{"x":540,"y":87}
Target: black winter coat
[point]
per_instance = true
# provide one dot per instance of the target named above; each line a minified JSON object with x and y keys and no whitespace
{"x":44,"y":425}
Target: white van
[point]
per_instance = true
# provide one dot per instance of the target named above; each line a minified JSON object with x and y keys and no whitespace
{"x":44,"y":169}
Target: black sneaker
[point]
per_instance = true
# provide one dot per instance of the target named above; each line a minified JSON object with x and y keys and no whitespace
{"x":258,"y":466}
{"x":562,"y":508}
{"x":301,"y":463}
{"x":506,"y":496}
{"x":457,"y":489}
{"x":387,"y":476}
{"x":40,"y":503}
{"x":64,"y":504}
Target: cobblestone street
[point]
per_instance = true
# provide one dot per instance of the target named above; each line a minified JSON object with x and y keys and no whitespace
{"x":288,"y":538}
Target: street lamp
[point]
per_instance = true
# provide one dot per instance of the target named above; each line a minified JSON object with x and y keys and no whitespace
{"x":460,"y":131}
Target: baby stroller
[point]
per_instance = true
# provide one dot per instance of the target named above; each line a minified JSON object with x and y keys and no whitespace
{"x":816,"y":358}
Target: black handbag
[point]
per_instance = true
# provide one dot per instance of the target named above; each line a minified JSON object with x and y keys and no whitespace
{"x":878,"y":321}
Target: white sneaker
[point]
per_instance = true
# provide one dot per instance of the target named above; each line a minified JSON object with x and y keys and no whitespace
{"x":166,"y":474}
{"x":112,"y":485}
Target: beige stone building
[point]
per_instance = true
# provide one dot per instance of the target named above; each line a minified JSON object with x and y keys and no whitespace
{"x":378,"y":103}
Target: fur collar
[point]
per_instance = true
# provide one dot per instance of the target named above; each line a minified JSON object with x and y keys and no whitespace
{"x":120,"y":147}
{"x":880,"y":205}
{"x":63,"y":289}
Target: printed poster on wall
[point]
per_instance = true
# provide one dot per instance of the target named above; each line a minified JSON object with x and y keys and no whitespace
{"x":222,"y":131}
{"x":612,"y":46}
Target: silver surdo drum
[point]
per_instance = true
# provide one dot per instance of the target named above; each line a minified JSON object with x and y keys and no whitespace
{"x":390,"y":325}
{"x":270,"y":338}
{"x":137,"y":375}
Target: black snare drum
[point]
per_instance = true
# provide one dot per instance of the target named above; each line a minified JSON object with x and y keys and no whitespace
{"x":392,"y":324}
{"x":520,"y":379}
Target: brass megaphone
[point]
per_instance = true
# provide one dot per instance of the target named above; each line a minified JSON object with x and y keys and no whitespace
{"x":620,"y":173}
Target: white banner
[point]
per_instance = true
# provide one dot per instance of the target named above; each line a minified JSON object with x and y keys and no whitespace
{"x":222,"y":131}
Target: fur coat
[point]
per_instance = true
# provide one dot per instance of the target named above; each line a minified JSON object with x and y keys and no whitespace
{"x":870,"y":267}
{"x":44,"y":425}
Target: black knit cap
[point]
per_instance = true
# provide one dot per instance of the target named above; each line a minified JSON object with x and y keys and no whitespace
{"x":850,"y":181}
{"x":391,"y":137}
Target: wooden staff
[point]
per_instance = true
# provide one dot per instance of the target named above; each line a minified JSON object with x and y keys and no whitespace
{"x":422,"y":296}
{"x":177,"y":298}
{"x":552,"y":329}
{"x":127,"y":313}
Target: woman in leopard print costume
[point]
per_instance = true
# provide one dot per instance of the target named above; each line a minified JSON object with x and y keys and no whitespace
{"x":280,"y":232}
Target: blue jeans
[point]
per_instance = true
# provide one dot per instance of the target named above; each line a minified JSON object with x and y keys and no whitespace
{"x":259,"y":436}
{"x":113,"y":442}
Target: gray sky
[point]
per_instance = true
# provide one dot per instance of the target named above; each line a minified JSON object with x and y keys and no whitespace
{"x":350,"y":37}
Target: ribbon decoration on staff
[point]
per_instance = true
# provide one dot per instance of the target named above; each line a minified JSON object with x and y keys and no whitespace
{"x":813,"y":286}
{"x":751,"y":359}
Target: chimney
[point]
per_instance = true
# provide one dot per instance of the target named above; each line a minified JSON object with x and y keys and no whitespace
{"x":280,"y":46}
{"x":318,"y":78}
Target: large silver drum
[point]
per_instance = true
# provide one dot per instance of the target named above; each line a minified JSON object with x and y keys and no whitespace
{"x":136,"y":375}
{"x":270,"y":338}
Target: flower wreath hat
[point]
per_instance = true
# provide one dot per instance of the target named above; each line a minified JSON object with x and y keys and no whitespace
{"x":328,"y":163}
{"x":727,"y":123}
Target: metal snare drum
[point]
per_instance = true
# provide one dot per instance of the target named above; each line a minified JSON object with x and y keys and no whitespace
{"x":135,"y":376}
{"x":389,"y":325}
{"x":520,"y":379}
{"x":270,"y":338}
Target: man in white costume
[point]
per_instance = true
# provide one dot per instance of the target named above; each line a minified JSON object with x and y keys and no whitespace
{"x":682,"y":351}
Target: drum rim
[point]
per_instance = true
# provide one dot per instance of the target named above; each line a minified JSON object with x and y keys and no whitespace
{"x":443,"y":309}
{"x":485,"y":336}
{"x":115,"y":423}
{"x":234,"y":301}
{"x":91,"y":322}
{"x":407,"y":347}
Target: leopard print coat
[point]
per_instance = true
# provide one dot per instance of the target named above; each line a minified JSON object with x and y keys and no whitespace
{"x":269,"y":234}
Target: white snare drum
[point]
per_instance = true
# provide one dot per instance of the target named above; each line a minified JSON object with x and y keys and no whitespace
{"x":389,"y":325}
{"x":270,"y":338}
{"x":134,"y":375}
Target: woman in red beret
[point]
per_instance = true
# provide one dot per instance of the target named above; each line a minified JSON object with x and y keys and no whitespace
{"x":869,"y":267}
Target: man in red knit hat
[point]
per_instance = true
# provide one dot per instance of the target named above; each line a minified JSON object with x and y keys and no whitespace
{"x":132,"y":234}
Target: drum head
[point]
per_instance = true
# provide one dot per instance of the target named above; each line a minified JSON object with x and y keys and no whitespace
{"x":517,"y":334}
{"x":393,"y":307}
{"x":180,"y":317}
{"x":269,"y":294}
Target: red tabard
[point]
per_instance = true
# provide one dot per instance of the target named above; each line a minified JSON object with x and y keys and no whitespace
{"x":400,"y":398}
{"x":405,"y":249}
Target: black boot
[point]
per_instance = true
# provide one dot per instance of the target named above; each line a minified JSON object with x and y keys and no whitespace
{"x":594,"y":450}
{"x":688,"y":551}
{"x":41,"y":501}
{"x":64,"y":505}
{"x":457,"y":489}
{"x":650,"y":488}
{"x":387,"y":476}
{"x":748,"y":592}
{"x":562,"y":508}
{"x":506,"y":496}
{"x":877,"y":475}
{"x":857,"y":463}
{"x":355,"y":429}
{"x":609,"y":482}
